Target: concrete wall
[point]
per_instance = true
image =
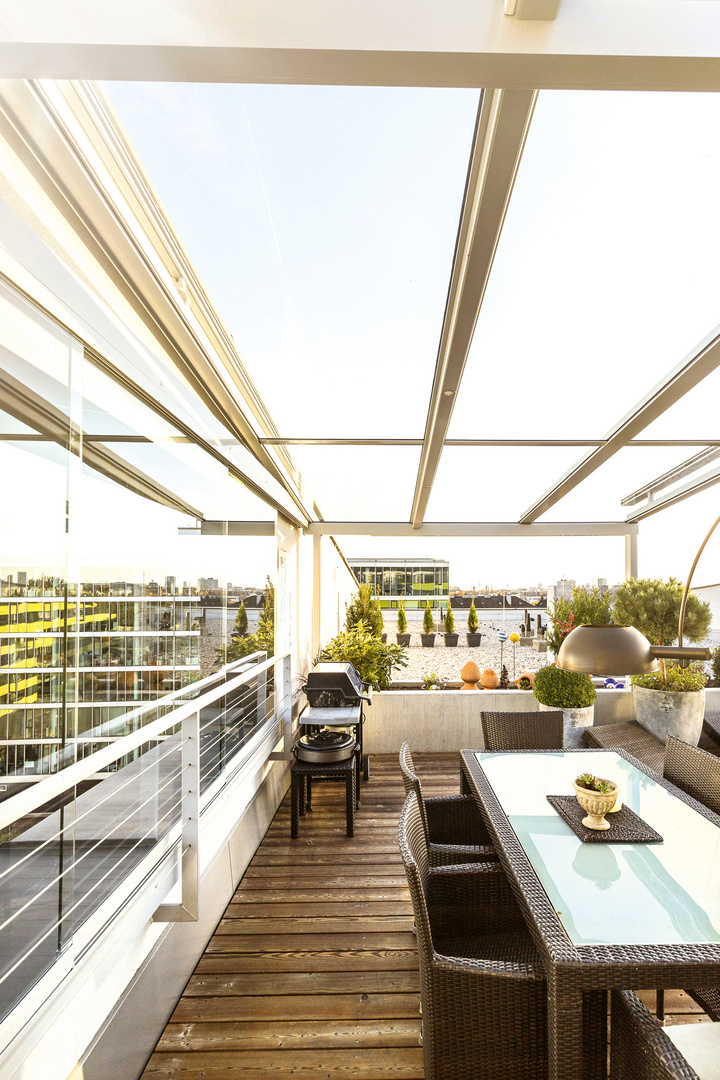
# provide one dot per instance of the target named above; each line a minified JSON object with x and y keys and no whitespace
{"x":445,"y":720}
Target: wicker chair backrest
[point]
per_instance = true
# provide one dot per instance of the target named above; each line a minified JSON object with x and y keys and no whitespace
{"x":523,"y":730}
{"x":414,"y":852}
{"x":693,"y":770}
{"x":411,"y":782}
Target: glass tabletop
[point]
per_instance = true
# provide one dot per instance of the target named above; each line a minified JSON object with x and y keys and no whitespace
{"x":610,"y":893}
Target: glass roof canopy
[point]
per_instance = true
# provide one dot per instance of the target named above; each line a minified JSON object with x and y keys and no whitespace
{"x":323,"y":222}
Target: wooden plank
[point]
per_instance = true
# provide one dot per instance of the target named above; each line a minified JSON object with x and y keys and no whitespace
{"x":357,"y":1006}
{"x":353,"y":881}
{"x":252,"y":984}
{"x":321,"y":1035}
{"x":326,"y":870}
{"x":356,"y":924}
{"x":385,"y":1064}
{"x":309,"y":960}
{"x":313,"y":970}
{"x":274,"y":904}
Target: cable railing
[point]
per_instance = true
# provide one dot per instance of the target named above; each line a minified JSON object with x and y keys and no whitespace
{"x":67,"y":873}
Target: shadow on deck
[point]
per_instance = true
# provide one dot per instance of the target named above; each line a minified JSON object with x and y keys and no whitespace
{"x":312,"y":970}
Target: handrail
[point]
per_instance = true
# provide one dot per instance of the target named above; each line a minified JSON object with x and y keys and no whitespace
{"x":50,"y":787}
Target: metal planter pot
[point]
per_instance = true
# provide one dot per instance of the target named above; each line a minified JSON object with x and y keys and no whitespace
{"x":451,"y":640}
{"x":428,"y":640}
{"x":474,"y":640}
{"x":667,"y":712}
{"x":403,"y":639}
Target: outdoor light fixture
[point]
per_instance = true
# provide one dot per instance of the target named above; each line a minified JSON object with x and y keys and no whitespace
{"x":623,"y":650}
{"x":607,"y":650}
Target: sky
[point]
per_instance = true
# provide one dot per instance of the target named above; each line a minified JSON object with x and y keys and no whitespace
{"x":322,"y":222}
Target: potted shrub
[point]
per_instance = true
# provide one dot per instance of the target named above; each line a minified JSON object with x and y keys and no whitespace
{"x":365,"y":608}
{"x":670,"y":701}
{"x":570,"y":691}
{"x":589,"y":607}
{"x":373,"y":658}
{"x":473,"y":638}
{"x":403,"y":638}
{"x":451,"y":638}
{"x":428,"y":635}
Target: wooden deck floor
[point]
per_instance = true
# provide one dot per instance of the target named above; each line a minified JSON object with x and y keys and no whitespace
{"x":312,"y":971}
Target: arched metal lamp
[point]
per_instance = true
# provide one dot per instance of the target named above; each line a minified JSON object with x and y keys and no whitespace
{"x":623,"y":650}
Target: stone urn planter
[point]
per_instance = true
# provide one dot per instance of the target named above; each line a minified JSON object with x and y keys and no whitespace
{"x":574,"y":723}
{"x":451,"y":640}
{"x":428,"y":640}
{"x":403,"y":639}
{"x":596,"y":805}
{"x":474,"y":640}
{"x":670,"y":712}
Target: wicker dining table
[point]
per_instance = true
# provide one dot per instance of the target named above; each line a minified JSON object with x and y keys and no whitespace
{"x":602,"y":914}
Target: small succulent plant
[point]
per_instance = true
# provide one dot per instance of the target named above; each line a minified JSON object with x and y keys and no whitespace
{"x":595,"y":783}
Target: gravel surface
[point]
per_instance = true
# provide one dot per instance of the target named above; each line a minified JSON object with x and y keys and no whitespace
{"x":447,"y":663}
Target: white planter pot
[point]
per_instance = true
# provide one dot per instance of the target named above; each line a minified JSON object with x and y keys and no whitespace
{"x":667,"y":712}
{"x":574,"y":723}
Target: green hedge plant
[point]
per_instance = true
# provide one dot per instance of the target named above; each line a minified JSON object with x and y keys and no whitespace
{"x":373,"y":658}
{"x":677,"y":679}
{"x":428,"y":623}
{"x":449,"y":623}
{"x":402,"y":619}
{"x":472,"y":623}
{"x":563,"y":689}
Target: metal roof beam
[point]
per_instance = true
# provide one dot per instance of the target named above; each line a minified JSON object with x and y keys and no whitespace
{"x":692,"y":487}
{"x":686,"y":468}
{"x":472,"y":528}
{"x":501,"y":129}
{"x":688,"y":373}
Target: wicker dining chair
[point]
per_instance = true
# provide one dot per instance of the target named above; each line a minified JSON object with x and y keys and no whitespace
{"x":454,"y":828}
{"x":639,"y":1047}
{"x":482,"y":987}
{"x":693,"y":770}
{"x":697,"y":773}
{"x":523,"y":730}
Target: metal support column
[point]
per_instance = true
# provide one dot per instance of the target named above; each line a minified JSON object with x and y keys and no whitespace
{"x":631,"y":555}
{"x":187,"y":909}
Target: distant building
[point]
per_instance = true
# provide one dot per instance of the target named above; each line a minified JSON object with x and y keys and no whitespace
{"x":564,"y":588}
{"x":208,"y":584}
{"x":416,"y":581}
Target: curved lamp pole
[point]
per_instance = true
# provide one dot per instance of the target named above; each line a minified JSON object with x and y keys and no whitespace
{"x":686,"y":591}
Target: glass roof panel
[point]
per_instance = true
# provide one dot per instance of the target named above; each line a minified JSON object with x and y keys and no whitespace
{"x":354,"y":483}
{"x":598,"y":498}
{"x":494,"y":483}
{"x":322,"y":221}
{"x":606,"y":274}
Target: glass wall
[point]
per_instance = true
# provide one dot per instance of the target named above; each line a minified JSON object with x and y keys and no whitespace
{"x":104,"y":605}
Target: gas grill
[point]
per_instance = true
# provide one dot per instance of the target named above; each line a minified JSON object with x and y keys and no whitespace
{"x":335,"y":694}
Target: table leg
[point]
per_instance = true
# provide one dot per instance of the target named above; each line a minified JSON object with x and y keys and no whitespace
{"x":565,"y":1033}
{"x":350,"y":797}
{"x":308,"y":801}
{"x":295,"y":796}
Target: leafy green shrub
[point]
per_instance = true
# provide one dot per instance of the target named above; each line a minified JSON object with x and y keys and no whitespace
{"x":365,"y":608}
{"x":373,"y":658}
{"x":563,"y":689}
{"x":428,"y":623}
{"x":715,"y":663}
{"x":678,"y":679}
{"x":653,"y":607}
{"x":589,"y":607}
{"x":402,"y":619}
{"x":433,"y":682}
{"x":472,"y":622}
{"x":262,"y":640}
{"x":449,"y":623}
